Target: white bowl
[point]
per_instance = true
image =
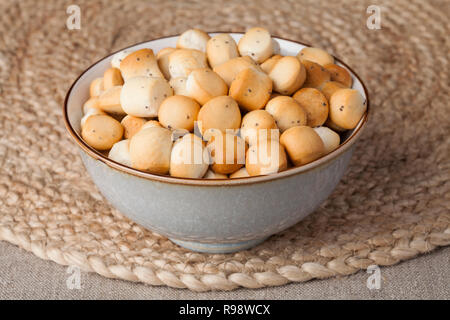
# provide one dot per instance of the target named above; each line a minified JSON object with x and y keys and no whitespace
{"x":216,"y":216}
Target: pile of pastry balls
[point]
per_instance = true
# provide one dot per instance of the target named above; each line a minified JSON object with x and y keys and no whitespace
{"x":214,"y":109}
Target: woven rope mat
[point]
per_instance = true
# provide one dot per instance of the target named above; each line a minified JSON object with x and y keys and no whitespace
{"x":392,"y":205}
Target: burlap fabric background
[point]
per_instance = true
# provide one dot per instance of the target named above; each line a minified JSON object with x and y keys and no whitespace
{"x":392,"y":205}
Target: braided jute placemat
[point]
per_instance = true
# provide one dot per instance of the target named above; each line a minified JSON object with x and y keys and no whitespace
{"x":392,"y":204}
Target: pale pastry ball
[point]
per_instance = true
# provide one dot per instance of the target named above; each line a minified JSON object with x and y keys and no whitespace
{"x":330,"y":139}
{"x":316,"y":75}
{"x":316,"y":55}
{"x":162,"y":58}
{"x":266,"y":157}
{"x":120,"y":152}
{"x":251,"y":89}
{"x":315,"y":104}
{"x":150,"y":150}
{"x":241,"y":173}
{"x":131,"y":125}
{"x":204,"y":84}
{"x":257,"y":44}
{"x":288,"y":75}
{"x":302,"y":144}
{"x":347,"y":106}
{"x":220,"y":113}
{"x":178,"y":112}
{"x":109,"y":100}
{"x":286,"y":112}
{"x":189,"y":158}
{"x":140,"y":63}
{"x":101,"y":131}
{"x":183,"y":61}
{"x":227,"y":152}
{"x":193,"y":39}
{"x":339,"y":74}
{"x":221,"y":48}
{"x":142,"y":96}
{"x":257,"y":124}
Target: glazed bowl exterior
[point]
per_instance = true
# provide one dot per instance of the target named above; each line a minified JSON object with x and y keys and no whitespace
{"x":216,"y":216}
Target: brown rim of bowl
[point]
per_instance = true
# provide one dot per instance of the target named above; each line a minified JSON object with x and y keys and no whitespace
{"x":217,"y":182}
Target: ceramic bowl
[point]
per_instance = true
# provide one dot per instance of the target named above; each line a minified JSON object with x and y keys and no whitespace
{"x":215,"y":216}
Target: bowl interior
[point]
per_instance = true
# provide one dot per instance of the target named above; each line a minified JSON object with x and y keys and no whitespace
{"x":79,"y":93}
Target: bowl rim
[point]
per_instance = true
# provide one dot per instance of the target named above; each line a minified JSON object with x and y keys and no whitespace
{"x":96,"y":155}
